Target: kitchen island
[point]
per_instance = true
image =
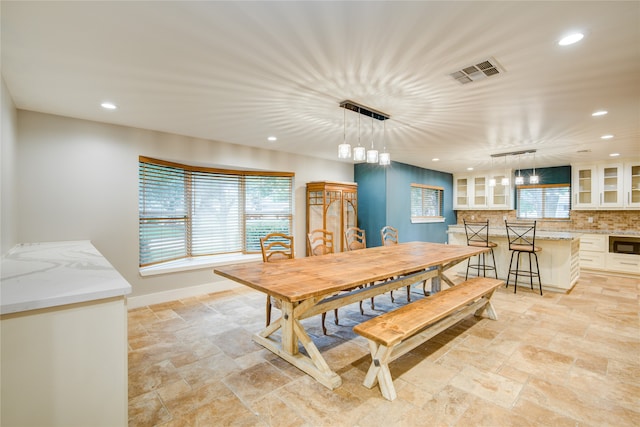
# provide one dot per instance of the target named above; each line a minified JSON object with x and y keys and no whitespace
{"x":559,"y":259}
{"x":64,"y":337}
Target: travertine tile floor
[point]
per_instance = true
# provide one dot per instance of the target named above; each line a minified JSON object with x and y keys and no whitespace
{"x":553,"y":360}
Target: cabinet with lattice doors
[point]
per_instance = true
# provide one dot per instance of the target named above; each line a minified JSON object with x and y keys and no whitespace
{"x":332,"y":206}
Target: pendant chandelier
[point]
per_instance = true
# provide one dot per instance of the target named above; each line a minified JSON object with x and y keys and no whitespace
{"x":519,"y":180}
{"x":360,"y":154}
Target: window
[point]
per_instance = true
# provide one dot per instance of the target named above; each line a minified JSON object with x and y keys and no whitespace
{"x":426,"y":203}
{"x":544,"y":201}
{"x":187,"y":211}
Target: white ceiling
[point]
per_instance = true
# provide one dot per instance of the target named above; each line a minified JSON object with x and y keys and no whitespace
{"x":241,"y":71}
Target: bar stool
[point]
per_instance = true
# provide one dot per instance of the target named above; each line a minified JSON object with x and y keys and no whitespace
{"x":478,"y":236}
{"x":522,"y":240}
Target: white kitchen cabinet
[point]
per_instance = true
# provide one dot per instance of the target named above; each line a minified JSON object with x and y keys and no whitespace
{"x":632,"y":185}
{"x":500,"y":194}
{"x":593,"y":251}
{"x":461,"y":192}
{"x":611,"y":185}
{"x":606,"y":186}
{"x":595,"y":255}
{"x":623,"y":263}
{"x":478,"y":191}
{"x":63,"y":333}
{"x":585,"y":187}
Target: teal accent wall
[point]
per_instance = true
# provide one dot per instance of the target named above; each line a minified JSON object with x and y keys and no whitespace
{"x":384,"y":198}
{"x":554,"y":175}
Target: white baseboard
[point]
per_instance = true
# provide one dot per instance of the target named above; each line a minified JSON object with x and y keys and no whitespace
{"x":176,"y":294}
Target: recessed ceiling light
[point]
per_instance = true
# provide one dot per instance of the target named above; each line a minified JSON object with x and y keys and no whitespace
{"x":614,"y":154}
{"x":469,"y":169}
{"x":435,"y":159}
{"x":599,"y":113}
{"x":108,"y":105}
{"x":571,"y":39}
{"x":272,"y":138}
{"x":606,"y":136}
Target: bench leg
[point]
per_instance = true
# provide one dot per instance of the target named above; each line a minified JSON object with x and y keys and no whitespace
{"x":488,"y":307}
{"x":379,"y":371}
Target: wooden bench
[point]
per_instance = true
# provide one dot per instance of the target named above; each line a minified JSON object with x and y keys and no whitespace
{"x":397,"y":332}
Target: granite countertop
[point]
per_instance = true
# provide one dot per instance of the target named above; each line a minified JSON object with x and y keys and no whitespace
{"x":550,"y":234}
{"x":42,"y":275}
{"x":630,"y":233}
{"x":540,"y":234}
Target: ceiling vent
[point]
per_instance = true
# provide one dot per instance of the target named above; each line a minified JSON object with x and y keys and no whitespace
{"x":478,"y":71}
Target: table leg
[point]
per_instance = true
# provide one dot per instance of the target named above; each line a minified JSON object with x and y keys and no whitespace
{"x":289,"y":340}
{"x":436,"y":282}
{"x":286,"y":347}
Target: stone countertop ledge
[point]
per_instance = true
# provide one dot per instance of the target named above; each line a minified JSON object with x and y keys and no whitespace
{"x":542,"y":234}
{"x":43,"y":275}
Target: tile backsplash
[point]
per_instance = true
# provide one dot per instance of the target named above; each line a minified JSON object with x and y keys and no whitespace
{"x":579,"y":220}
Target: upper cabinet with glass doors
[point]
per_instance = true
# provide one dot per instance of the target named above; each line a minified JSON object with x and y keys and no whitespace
{"x":606,"y":186}
{"x":483,"y":191}
{"x":632,"y":184}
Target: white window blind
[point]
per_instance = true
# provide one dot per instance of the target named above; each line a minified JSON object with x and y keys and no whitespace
{"x":187,"y":211}
{"x":426,"y":201}
{"x":551,"y":201}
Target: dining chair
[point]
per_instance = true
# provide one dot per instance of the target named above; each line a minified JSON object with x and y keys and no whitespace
{"x":320,"y":242}
{"x":522,"y":240}
{"x":356,"y":238}
{"x":478,"y":236}
{"x":275,"y":247}
{"x":389,"y":236}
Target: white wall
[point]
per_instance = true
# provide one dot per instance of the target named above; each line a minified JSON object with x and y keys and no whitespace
{"x":78,"y":180}
{"x":8,"y":142}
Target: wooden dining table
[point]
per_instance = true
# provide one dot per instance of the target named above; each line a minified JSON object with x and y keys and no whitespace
{"x":313,"y":285}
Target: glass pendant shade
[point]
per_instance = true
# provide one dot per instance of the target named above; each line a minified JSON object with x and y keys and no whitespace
{"x":534,"y":179}
{"x":505,"y":181}
{"x":385,"y":158}
{"x":519,"y":180}
{"x":359,"y":154}
{"x":492,"y":182}
{"x":344,"y":151}
{"x":372,"y":156}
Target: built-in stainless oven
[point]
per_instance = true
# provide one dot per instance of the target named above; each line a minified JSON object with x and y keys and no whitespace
{"x":624,"y":245}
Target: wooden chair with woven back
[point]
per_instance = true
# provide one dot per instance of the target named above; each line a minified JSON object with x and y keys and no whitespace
{"x":389,"y":236}
{"x":356,"y":238}
{"x":320,"y":242}
{"x":275,"y":247}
